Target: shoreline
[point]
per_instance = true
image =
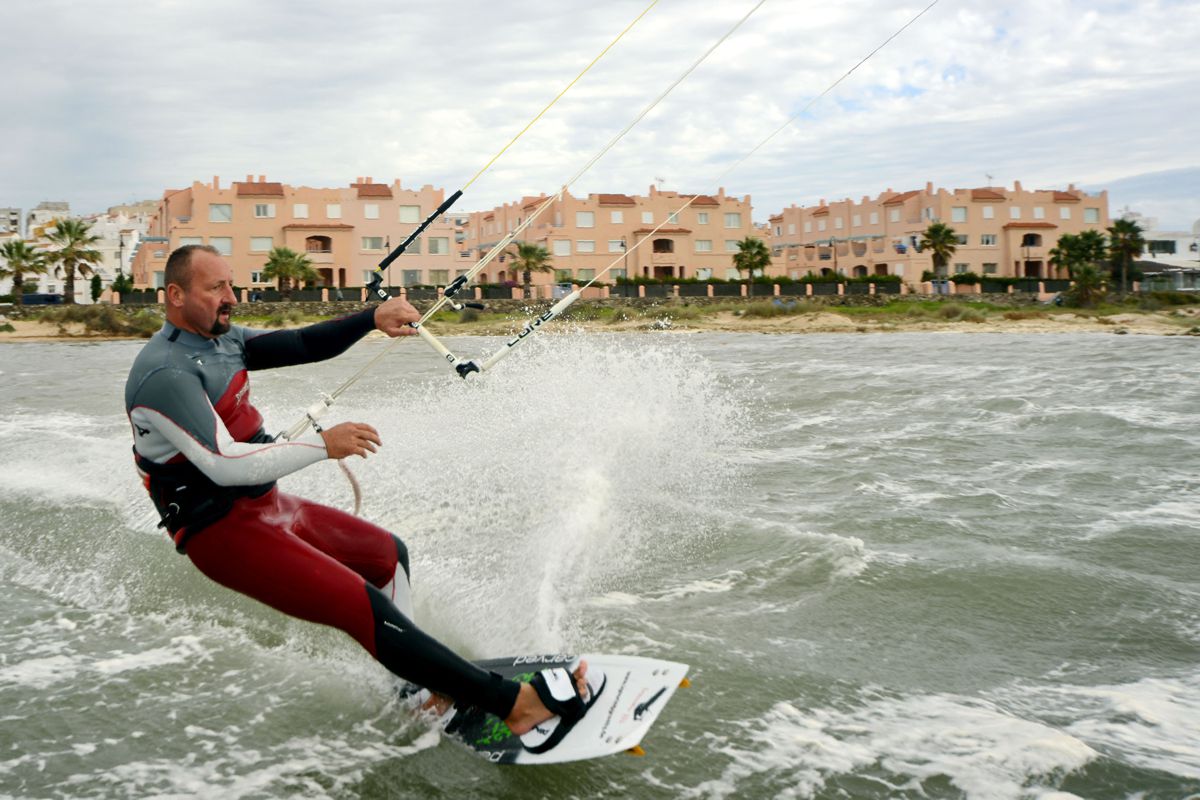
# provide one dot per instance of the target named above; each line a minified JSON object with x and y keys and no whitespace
{"x":1184,"y":321}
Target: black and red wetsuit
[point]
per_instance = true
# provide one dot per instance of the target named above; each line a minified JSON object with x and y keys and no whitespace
{"x":211,"y":469}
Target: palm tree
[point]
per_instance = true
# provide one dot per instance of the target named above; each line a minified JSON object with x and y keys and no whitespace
{"x":73,"y":242}
{"x":20,"y":260}
{"x":1125,"y":244}
{"x":529,"y":258}
{"x":1066,"y":255}
{"x":289,"y":269}
{"x":752,"y":256}
{"x":941,"y":241}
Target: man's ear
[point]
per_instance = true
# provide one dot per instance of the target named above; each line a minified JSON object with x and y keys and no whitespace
{"x":175,"y":295}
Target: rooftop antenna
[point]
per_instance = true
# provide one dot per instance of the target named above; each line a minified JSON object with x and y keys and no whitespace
{"x":989,"y":177}
{"x":659,"y":181}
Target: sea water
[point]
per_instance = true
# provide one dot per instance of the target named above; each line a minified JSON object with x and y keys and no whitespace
{"x":905,"y":565}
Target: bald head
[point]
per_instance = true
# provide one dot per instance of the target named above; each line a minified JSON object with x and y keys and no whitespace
{"x":179,"y":264}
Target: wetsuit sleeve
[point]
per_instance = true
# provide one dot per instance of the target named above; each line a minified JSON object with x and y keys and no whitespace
{"x":174,"y":410}
{"x":269,"y":349}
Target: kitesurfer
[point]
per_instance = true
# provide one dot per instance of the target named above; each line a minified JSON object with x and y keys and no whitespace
{"x":210,"y":469}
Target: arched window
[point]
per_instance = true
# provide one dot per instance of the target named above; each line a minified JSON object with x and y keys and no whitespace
{"x":1031,"y":240}
{"x":860,"y":271}
{"x":664,"y":246}
{"x":318,"y":244}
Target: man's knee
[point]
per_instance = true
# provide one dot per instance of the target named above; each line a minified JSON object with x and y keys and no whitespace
{"x":402,"y":555}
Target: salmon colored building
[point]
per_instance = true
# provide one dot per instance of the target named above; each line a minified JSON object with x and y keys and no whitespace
{"x":587,"y":234}
{"x":345,"y":232}
{"x":1001,"y":232}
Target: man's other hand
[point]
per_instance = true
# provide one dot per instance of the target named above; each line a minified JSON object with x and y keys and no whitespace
{"x":350,"y":439}
{"x":393,"y":317}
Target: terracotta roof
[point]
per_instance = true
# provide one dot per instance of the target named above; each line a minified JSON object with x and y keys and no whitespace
{"x":615,"y":200}
{"x":372,"y":189}
{"x":258,"y":189}
{"x":775,"y":216}
{"x":900,"y":198}
{"x":664,"y":230}
{"x":313,"y":226}
{"x":703,"y":200}
{"x":1031,"y":225}
{"x":987,"y":194}
{"x":821,"y":211}
{"x":1065,"y":197}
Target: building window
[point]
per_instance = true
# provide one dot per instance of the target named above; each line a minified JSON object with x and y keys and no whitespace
{"x":927,"y":213}
{"x":585,"y":219}
{"x":439,"y":245}
{"x":647,"y":217}
{"x":704,"y":245}
{"x":874,"y":218}
{"x":779,"y":230}
{"x":732,"y":274}
{"x":1014,"y":212}
{"x":410,"y":214}
{"x":1064,"y":212}
{"x":264,"y":210}
{"x":856,"y":221}
{"x":585,"y":246}
{"x":1161,"y":246}
{"x":820,"y":225}
{"x":1091,"y":215}
{"x":618,"y":273}
{"x":990,"y":268}
{"x":333,"y":210}
{"x":987,"y":239}
{"x":961,"y":238}
{"x":617,"y":217}
{"x":186,"y":240}
{"x":256,"y":277}
{"x":959,"y":269}
{"x":439,"y":277}
{"x":615,"y":245}
{"x":733,"y":220}
{"x":562,"y":275}
{"x":731,"y":246}
{"x":220,"y":212}
{"x":958,"y":214}
{"x":415,"y":247}
{"x":703,"y":274}
{"x":838,"y":223}
{"x":562,"y":247}
{"x":808,"y":226}
{"x":367,"y":273}
{"x":894,"y":215}
{"x":701,"y":217}
{"x":585,"y":274}
{"x":300,"y":211}
{"x":372,"y":243}
{"x":791,"y":228}
{"x":261,"y":244}
{"x":371,"y":211}
{"x":673,"y":218}
{"x":223,"y":244}
{"x":989,"y":212}
{"x":1039,"y":212}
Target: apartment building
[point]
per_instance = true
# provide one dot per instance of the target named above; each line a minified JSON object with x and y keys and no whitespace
{"x":1001,"y":232}
{"x":586,"y":235}
{"x":345,"y":232}
{"x":10,"y":220}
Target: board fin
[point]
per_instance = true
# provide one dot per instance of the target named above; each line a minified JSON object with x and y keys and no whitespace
{"x":685,"y":683}
{"x":636,"y":750}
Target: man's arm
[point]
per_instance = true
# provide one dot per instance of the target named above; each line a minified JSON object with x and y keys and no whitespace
{"x":173,"y":409}
{"x":324,"y":340}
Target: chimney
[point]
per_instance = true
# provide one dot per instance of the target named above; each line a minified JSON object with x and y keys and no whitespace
{"x":1016,"y":186}
{"x":249,"y":179}
{"x":370,"y":179}
{"x":216,"y":183}
{"x":262,"y":178}
{"x":929,"y":187}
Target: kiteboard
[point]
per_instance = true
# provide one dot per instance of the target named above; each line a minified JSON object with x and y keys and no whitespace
{"x":635,"y":690}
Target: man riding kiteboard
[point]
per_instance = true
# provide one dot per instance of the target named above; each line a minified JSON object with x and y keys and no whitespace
{"x":211,"y":469}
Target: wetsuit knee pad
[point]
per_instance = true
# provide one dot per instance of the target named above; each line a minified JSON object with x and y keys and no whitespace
{"x":402,"y":555}
{"x":417,"y":657}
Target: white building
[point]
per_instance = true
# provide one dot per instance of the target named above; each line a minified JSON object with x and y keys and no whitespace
{"x":10,"y":220}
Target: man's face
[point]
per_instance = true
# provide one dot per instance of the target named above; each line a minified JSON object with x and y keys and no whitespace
{"x":208,"y":299}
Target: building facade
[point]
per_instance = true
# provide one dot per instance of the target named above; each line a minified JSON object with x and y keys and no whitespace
{"x":10,"y":220}
{"x":345,"y":232}
{"x":1001,"y":232}
{"x":587,"y":235}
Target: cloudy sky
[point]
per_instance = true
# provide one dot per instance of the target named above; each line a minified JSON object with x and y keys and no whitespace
{"x":116,"y":101}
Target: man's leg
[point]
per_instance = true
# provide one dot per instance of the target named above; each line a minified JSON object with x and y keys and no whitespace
{"x":252,"y":552}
